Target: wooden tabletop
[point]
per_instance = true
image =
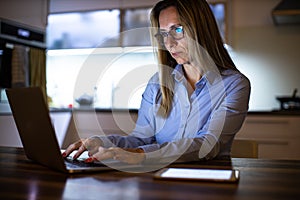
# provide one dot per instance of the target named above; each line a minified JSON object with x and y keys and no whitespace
{"x":21,"y":178}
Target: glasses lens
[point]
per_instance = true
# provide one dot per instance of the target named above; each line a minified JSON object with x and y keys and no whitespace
{"x":160,"y":38}
{"x":177,"y":33}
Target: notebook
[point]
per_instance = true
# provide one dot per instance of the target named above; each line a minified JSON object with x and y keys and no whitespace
{"x":31,"y":115}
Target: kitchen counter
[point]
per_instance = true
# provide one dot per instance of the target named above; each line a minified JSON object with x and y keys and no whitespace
{"x":59,"y":110}
{"x":106,"y":110}
{"x":275,"y":112}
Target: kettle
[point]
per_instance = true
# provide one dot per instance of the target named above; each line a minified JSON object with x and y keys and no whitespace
{"x":85,"y":100}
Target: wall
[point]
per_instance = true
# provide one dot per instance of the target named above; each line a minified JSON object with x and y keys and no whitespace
{"x":266,"y":53}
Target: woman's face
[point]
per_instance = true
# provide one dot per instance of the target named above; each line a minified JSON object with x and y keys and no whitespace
{"x":168,"y":20}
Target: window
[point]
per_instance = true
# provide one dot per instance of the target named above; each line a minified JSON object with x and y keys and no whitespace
{"x":135,"y":28}
{"x":98,"y":29}
{"x":90,"y":29}
{"x":220,"y":15}
{"x":82,"y":29}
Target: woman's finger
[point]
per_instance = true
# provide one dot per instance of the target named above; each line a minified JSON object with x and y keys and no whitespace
{"x":72,"y":148}
{"x":103,"y":154}
{"x":130,"y":156}
{"x":92,"y":145}
{"x":81,"y":149}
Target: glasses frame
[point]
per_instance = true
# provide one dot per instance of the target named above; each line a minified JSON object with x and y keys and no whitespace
{"x":162,"y":36}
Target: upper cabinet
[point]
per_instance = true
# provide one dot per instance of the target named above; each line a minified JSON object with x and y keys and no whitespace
{"x":30,"y":12}
{"x":109,"y":24}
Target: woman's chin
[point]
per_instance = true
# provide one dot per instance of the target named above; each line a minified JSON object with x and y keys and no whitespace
{"x":181,"y":61}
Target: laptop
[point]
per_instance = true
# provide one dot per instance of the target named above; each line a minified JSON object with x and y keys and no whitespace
{"x":31,"y":115}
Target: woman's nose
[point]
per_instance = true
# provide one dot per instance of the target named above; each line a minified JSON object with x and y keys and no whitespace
{"x":170,"y":42}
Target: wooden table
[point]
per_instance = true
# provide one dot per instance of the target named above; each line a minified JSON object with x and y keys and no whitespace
{"x":21,"y":178}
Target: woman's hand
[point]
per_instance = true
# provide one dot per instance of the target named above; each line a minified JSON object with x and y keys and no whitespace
{"x":91,"y":145}
{"x":130,"y":156}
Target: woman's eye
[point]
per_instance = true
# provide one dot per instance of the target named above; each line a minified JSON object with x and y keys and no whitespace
{"x":178,"y":30}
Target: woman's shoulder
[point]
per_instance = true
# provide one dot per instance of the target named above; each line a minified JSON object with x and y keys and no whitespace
{"x":235,"y":76}
{"x":153,"y":83}
{"x":152,"y":90}
{"x":154,"y":78}
{"x":227,"y":76}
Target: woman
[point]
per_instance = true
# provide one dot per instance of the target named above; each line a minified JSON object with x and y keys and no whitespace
{"x":193,"y":107}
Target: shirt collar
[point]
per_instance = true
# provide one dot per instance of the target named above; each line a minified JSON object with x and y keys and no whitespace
{"x":178,"y":73}
{"x":211,"y":76}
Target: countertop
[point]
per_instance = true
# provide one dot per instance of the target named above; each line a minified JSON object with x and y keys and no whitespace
{"x":272,"y":112}
{"x":275,"y":112}
{"x":106,"y":110}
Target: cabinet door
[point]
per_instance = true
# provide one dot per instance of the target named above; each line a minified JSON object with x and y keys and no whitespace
{"x":277,"y":136}
{"x":9,"y":135}
{"x":95,"y":123}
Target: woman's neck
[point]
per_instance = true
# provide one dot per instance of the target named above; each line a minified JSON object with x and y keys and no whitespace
{"x":192,"y":74}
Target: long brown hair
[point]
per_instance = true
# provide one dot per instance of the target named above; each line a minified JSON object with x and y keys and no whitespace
{"x":200,"y":25}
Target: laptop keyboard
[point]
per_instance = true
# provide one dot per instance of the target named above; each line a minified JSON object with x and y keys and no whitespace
{"x":70,"y":163}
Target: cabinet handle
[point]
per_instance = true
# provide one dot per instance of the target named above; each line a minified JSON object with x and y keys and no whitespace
{"x":267,"y":122}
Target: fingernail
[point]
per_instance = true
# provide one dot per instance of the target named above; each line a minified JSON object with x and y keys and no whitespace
{"x":89,"y":160}
{"x":64,"y":154}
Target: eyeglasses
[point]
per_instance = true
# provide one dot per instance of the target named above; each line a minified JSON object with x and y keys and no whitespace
{"x":176,"y":32}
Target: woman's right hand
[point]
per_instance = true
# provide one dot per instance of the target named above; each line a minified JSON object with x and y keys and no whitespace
{"x":91,"y":145}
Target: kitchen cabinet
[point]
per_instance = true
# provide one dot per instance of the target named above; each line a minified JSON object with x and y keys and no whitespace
{"x":9,"y":135}
{"x":89,"y":123}
{"x":30,"y":12}
{"x":68,"y":127}
{"x":277,"y":136}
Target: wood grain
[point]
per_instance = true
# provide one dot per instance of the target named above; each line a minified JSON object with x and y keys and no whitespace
{"x":21,"y":178}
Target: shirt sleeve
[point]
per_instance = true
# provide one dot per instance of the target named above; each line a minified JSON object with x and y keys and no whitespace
{"x":143,"y":134}
{"x":216,"y":136}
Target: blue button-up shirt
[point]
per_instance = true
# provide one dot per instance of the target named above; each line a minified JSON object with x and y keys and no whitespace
{"x":201,"y":125}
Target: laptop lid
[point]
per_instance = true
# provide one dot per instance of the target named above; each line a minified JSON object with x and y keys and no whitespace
{"x":31,"y":115}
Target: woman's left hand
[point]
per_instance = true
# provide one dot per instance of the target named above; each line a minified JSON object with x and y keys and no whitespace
{"x":130,"y":156}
